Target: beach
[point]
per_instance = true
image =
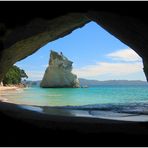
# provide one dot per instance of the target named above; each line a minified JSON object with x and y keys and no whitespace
{"x":30,"y":99}
{"x":5,"y":89}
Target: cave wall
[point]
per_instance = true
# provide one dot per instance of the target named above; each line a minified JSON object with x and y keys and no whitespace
{"x":25,"y":40}
{"x":15,"y":44}
{"x":24,"y":32}
{"x":128,"y":30}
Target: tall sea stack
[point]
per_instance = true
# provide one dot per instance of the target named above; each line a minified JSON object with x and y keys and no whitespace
{"x":59,"y":73}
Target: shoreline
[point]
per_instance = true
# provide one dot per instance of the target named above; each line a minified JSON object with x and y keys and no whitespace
{"x":120,"y":108}
{"x":76,"y":111}
{"x":2,"y":99}
{"x":4,"y":89}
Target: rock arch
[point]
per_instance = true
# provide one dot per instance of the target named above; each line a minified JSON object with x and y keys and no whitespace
{"x":21,"y":39}
{"x":18,"y":41}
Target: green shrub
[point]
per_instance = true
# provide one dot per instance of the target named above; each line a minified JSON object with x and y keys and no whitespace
{"x":14,"y":76}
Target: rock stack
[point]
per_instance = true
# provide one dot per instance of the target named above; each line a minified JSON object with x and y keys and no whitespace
{"x":59,"y":73}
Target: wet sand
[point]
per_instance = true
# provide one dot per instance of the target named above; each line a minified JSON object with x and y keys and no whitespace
{"x":97,"y":114}
{"x":20,"y":121}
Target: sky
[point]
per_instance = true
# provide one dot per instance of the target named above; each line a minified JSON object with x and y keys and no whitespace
{"x":96,"y":55}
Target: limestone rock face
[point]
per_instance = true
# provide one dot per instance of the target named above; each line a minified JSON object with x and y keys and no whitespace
{"x":58,"y":73}
{"x":23,"y":39}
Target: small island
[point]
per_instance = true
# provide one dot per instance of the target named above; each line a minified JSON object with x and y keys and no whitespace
{"x":59,"y":73}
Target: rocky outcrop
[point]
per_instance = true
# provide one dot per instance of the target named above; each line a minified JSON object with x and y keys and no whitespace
{"x":130,"y":30}
{"x":19,"y":42}
{"x":58,"y":73}
{"x":23,"y":33}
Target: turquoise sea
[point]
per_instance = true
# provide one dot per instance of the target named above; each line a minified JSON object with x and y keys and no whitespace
{"x":121,"y":98}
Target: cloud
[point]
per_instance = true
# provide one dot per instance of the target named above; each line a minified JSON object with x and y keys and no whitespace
{"x":101,"y":68}
{"x":127,"y":55}
{"x":127,"y":63}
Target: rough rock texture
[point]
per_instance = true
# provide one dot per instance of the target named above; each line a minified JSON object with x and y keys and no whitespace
{"x":25,"y":40}
{"x":24,"y":32}
{"x":130,"y":30}
{"x":16,"y":15}
{"x":58,"y":73}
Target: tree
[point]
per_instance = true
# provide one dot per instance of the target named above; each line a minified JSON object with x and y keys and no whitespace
{"x":14,"y":75}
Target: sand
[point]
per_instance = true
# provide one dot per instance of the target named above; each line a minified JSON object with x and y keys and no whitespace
{"x":5,"y":89}
{"x":2,"y":99}
{"x":95,"y":114}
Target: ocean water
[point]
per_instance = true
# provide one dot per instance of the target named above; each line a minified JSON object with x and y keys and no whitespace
{"x":120,"y":98}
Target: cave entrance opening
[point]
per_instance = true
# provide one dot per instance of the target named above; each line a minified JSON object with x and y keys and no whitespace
{"x":110,"y":74}
{"x":95,"y":54}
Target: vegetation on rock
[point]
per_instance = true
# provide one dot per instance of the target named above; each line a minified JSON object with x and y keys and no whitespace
{"x":14,"y":76}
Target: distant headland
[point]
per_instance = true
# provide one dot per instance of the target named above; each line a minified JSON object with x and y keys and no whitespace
{"x":89,"y":83}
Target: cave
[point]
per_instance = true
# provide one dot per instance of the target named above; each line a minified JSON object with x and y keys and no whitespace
{"x":25,"y":32}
